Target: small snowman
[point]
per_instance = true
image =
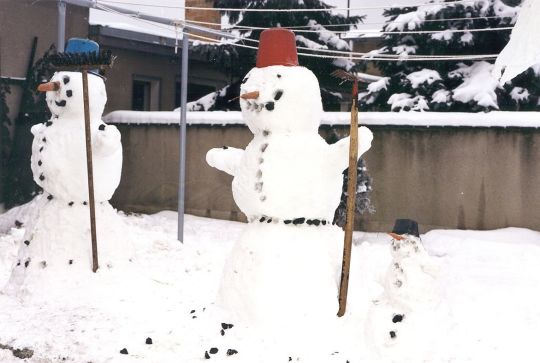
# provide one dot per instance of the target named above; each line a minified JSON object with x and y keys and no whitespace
{"x":285,"y":267}
{"x":402,"y":322}
{"x":57,"y":237}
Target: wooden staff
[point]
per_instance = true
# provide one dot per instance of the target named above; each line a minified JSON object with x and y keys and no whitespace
{"x":351,"y":199}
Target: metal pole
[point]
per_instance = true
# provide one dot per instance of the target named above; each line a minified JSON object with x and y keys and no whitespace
{"x":61,"y":35}
{"x":182,"y":156}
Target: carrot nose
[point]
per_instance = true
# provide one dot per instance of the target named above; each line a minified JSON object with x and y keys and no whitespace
{"x":49,"y":86}
{"x":250,"y":95}
{"x":397,"y":237}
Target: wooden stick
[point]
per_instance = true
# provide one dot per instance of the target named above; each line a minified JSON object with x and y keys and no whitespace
{"x":89,"y":168}
{"x":351,"y":199}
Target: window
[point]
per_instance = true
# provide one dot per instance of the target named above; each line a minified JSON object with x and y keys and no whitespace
{"x":145,"y":93}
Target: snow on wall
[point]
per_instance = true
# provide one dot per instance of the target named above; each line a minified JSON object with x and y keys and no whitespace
{"x":222,"y":118}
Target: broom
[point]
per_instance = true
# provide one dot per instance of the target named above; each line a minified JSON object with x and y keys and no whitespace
{"x":83,"y":62}
{"x":351,"y":191}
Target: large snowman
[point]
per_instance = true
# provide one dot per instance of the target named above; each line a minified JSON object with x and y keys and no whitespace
{"x":285,"y":267}
{"x":57,"y":231}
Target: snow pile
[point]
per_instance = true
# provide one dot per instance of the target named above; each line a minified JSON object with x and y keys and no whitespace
{"x":441,"y":96}
{"x":328,"y":37}
{"x":523,"y":50}
{"x":411,"y":20}
{"x":378,"y":85}
{"x":406,"y":102}
{"x":309,"y":43}
{"x":478,"y":85}
{"x":519,"y":94}
{"x":445,"y":35}
{"x":418,"y":78}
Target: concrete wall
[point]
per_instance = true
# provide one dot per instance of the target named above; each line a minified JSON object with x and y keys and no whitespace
{"x":469,"y":178}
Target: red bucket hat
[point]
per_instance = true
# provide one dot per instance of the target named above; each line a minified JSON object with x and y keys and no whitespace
{"x":277,"y":47}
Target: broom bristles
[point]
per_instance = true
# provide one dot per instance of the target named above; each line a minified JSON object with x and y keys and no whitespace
{"x":91,"y":59}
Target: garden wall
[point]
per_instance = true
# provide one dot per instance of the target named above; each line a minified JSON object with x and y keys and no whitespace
{"x":466,"y":177}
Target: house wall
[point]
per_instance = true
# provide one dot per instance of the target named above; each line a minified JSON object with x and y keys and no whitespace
{"x":20,"y":22}
{"x":444,"y":177}
{"x":165,"y":68}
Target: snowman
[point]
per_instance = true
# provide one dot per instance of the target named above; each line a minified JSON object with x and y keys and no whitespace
{"x":57,"y":235}
{"x":284,"y":269}
{"x":406,"y":318}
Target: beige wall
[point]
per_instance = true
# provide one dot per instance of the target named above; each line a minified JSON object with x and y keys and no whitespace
{"x":470,"y":178}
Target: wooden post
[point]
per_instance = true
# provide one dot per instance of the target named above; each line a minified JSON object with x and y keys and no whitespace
{"x":89,"y":168}
{"x":351,"y":199}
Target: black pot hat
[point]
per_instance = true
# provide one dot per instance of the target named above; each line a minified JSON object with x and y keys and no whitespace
{"x":405,"y":226}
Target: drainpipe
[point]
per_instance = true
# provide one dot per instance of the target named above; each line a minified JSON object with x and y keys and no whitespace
{"x":61,"y":34}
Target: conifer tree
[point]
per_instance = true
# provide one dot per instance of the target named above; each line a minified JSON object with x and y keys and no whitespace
{"x":461,"y":85}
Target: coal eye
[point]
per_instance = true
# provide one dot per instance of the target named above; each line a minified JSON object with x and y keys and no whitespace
{"x":245,"y":80}
{"x":279,"y":76}
{"x":69,"y":93}
{"x":278,"y":94}
{"x":65,"y":79}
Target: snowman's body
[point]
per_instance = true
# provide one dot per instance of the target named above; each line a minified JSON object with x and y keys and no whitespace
{"x":288,"y":182}
{"x":59,"y":149}
{"x":269,"y":182}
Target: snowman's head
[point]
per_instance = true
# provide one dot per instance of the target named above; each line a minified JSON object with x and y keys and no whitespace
{"x":281,"y":99}
{"x":65,"y":95}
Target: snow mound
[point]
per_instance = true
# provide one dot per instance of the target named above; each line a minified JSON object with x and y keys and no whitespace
{"x":478,"y":85}
{"x":424,"y":76}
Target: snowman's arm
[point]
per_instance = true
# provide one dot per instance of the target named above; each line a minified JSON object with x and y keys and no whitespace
{"x":340,"y":150}
{"x":106,"y":140}
{"x":225,"y":159}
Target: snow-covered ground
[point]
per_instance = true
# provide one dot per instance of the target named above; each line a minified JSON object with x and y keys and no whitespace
{"x":487,"y":309}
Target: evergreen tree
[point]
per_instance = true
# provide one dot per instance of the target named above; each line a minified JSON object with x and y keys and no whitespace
{"x":5,"y":124}
{"x":19,"y":185}
{"x":238,"y":61}
{"x":465,"y":86}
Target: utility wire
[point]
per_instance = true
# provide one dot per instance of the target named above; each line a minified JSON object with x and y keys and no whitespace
{"x":288,"y":10}
{"x":346,"y":55}
{"x":242,"y":27}
{"x":367,"y":31}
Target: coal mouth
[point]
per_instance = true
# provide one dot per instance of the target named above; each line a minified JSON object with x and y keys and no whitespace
{"x":61,"y":103}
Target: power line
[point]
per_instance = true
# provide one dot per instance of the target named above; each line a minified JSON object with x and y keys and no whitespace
{"x":365,"y":31}
{"x":287,"y":10}
{"x":346,"y":55}
{"x":349,"y":24}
